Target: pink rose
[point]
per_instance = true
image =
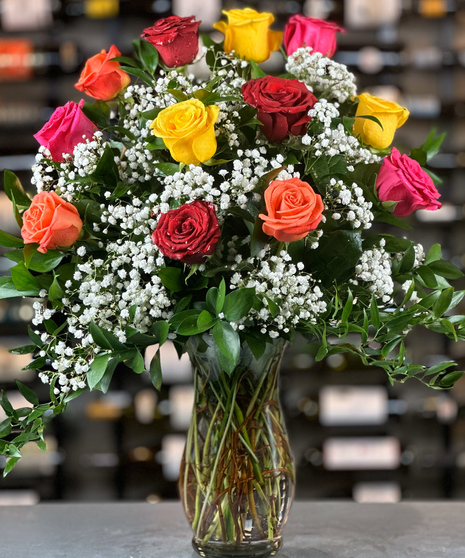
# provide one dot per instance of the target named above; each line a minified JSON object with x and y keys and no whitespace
{"x":318,"y":34}
{"x":176,"y":39}
{"x":402,"y":179}
{"x":64,"y":130}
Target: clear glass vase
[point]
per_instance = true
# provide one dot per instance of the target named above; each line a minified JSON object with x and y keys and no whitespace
{"x":237,"y":474}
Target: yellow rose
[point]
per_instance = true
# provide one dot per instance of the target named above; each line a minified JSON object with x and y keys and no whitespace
{"x":247,"y":33}
{"x":390,"y":114}
{"x":187,"y":129}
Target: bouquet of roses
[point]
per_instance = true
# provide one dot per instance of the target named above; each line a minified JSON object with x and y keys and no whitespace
{"x":241,"y":206}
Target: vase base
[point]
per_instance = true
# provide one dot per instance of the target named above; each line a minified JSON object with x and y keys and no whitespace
{"x":258,"y":549}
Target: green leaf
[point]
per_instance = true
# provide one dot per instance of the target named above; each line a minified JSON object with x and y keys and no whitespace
{"x":257,"y":72}
{"x":238,"y":304}
{"x":97,"y":369}
{"x":419,"y":155}
{"x":385,"y":217}
{"x":440,"y":367}
{"x":127,"y":61}
{"x":228,"y":344}
{"x":408,"y":260}
{"x":10,"y":241}
{"x":221,"y":296}
{"x":171,"y":278}
{"x":160,"y":330}
{"x":374,"y":313}
{"x":257,"y":346}
{"x":28,"y":252}
{"x":432,"y":144}
{"x":8,"y":289}
{"x":442,"y":303}
{"x":205,"y":321}
{"x":14,"y":190}
{"x":24,"y":350}
{"x":388,"y":347}
{"x":6,"y":405}
{"x":155,"y":371}
{"x":445,"y":269}
{"x":106,"y":171}
{"x":137,"y":364}
{"x":449,"y":379}
{"x":23,"y":280}
{"x":449,"y":328}
{"x":73,"y":395}
{"x":347,"y":307}
{"x":95,"y":113}
{"x":337,"y":254}
{"x":167,"y":169}
{"x":55,"y":292}
{"x":36,"y":364}
{"x":144,"y":76}
{"x":5,"y":428}
{"x":10,"y":464}
{"x":148,"y":55}
{"x":434,"y":254}
{"x":104,"y":383}
{"x":27,"y":393}
{"x":104,"y":338}
{"x":427,"y":277}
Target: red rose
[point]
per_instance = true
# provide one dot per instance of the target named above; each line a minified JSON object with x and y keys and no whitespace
{"x":188,"y":233}
{"x":282,"y":105}
{"x":318,"y":34}
{"x":402,"y":179}
{"x":176,"y":39}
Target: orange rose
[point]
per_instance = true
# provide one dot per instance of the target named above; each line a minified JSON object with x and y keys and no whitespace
{"x":50,"y":222}
{"x":101,"y":78}
{"x":293,"y":210}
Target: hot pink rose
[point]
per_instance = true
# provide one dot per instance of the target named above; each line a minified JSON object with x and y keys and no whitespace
{"x":318,"y":34}
{"x":65,"y":129}
{"x":402,"y":179}
{"x":176,"y":39}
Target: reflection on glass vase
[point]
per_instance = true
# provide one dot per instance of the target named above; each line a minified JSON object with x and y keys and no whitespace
{"x":237,"y":473}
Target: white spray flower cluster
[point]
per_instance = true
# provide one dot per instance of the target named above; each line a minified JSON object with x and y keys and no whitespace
{"x":322,"y":75}
{"x":374,"y":268}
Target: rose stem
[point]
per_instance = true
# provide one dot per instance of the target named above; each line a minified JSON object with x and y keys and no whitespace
{"x":220,"y":449}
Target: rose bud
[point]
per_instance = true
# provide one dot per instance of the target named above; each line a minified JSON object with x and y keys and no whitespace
{"x":188,"y":233}
{"x":282,"y":105}
{"x":247,"y":33}
{"x":65,"y":129}
{"x":103,"y":78}
{"x":294,"y":209}
{"x":318,"y":34}
{"x":51,"y":222}
{"x":175,"y":38}
{"x":390,"y":114}
{"x":402,"y":179}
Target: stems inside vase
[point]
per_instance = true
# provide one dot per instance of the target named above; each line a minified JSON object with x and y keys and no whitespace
{"x":237,"y":474}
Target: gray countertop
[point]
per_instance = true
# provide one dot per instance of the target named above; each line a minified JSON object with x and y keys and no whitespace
{"x":314,"y":530}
